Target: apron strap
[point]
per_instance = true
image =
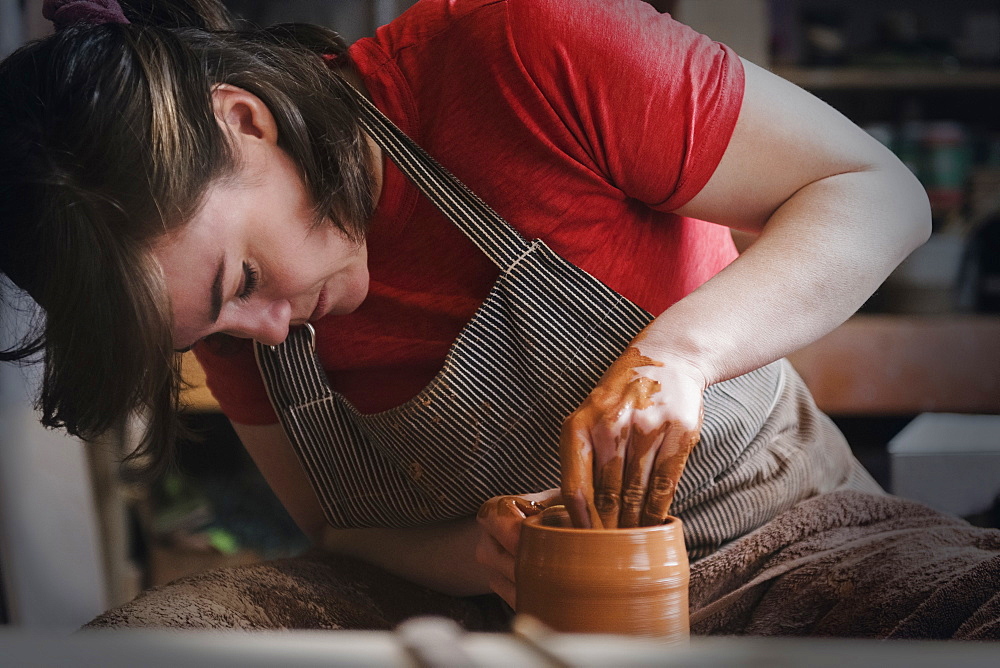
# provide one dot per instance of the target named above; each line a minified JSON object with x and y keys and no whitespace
{"x":493,"y":235}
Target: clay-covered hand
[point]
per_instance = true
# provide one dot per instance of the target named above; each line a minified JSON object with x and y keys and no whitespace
{"x":500,"y":519}
{"x":623,"y":450}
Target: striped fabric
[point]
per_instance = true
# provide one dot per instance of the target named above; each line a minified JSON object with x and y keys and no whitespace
{"x":489,"y":422}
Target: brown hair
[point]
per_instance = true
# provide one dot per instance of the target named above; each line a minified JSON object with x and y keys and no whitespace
{"x":109,"y":140}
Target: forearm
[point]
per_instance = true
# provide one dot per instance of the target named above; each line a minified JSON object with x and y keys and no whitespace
{"x":820,"y":255}
{"x":441,"y":556}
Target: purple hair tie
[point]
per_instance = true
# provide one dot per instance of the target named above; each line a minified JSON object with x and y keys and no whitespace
{"x":63,"y":13}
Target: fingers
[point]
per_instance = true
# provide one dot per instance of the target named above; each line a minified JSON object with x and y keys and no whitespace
{"x":671,"y":458}
{"x":497,"y":546}
{"x":576,"y":456}
{"x":608,"y":492}
{"x":494,"y":556}
{"x":640,"y":459}
{"x":542,"y":500}
{"x":623,"y":449}
{"x":505,"y":589}
{"x":500,"y":566}
{"x":501,"y":518}
{"x":635,"y":484}
{"x":500,"y":523}
{"x":609,"y":447}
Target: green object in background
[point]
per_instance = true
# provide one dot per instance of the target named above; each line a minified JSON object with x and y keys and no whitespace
{"x":909,"y":147}
{"x":222,"y":540}
{"x":949,"y":155}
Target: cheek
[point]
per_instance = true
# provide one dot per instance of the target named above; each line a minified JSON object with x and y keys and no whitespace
{"x":185,"y":323}
{"x":182,"y":299}
{"x":355,"y":289}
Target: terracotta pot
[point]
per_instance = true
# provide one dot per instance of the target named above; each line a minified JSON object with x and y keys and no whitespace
{"x":623,"y":581}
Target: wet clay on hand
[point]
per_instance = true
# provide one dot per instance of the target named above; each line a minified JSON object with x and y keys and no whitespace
{"x":624,"y":581}
{"x":500,"y":520}
{"x":509,"y":506}
{"x":630,"y":476}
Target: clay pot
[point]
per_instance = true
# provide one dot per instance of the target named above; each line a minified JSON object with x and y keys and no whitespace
{"x":622,"y":581}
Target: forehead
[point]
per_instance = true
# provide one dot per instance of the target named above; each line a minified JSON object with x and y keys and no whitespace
{"x":189,"y":258}
{"x":184,"y":249}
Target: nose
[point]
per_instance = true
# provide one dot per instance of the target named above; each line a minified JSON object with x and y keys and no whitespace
{"x":266,"y":322}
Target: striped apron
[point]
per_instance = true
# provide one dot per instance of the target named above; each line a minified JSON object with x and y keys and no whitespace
{"x":489,"y":422}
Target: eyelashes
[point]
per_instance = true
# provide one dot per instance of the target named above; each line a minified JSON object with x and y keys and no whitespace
{"x":250,"y":281}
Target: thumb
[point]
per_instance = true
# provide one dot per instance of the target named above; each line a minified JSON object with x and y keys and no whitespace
{"x":501,"y":516}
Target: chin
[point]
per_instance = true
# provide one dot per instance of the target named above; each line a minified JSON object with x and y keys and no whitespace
{"x":354,"y":296}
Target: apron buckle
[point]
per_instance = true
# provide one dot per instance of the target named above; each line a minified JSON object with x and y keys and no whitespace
{"x":312,"y":336}
{"x":312,"y":339}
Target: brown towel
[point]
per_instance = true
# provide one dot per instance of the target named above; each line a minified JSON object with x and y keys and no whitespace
{"x":853,"y":564}
{"x":314,"y":591}
{"x":845,"y":563}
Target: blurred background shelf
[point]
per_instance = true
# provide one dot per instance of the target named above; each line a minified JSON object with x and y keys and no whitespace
{"x":899,"y":365}
{"x":196,"y":397}
{"x":901,"y":78}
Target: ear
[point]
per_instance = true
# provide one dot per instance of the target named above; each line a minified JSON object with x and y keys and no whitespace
{"x":243,"y":115}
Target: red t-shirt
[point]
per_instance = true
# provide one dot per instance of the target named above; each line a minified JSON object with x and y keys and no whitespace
{"x":581,"y":122}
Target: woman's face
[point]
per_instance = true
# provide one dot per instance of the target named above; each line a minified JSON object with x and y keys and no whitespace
{"x":251,"y":263}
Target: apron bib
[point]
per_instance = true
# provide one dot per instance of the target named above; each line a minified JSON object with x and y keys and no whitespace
{"x":489,"y":422}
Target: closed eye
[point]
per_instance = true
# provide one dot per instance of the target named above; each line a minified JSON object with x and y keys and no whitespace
{"x":250,"y":282}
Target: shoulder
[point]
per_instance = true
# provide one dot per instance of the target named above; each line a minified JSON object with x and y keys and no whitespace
{"x":530,"y":23}
{"x":428,"y":19}
{"x":608,"y":53}
{"x":554,"y":34}
{"x":598,"y":30}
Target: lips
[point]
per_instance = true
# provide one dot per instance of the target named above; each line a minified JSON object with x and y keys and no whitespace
{"x":320,"y":309}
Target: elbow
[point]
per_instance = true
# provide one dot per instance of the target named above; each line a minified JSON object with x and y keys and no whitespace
{"x":912,"y":209}
{"x":921,"y":226}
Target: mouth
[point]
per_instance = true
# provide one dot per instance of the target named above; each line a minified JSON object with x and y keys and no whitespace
{"x":320,"y":309}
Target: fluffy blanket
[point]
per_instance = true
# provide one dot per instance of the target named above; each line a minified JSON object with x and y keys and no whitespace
{"x":857,"y":565}
{"x":840,"y":564}
{"x":314,"y":591}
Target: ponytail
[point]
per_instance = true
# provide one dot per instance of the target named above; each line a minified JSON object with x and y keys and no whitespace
{"x":174,"y":14}
{"x":171,"y":14}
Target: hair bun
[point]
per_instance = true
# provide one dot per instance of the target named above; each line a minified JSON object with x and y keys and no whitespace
{"x":63,"y":13}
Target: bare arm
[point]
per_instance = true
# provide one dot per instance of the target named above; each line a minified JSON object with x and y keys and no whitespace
{"x":833,"y":212}
{"x":440,"y":556}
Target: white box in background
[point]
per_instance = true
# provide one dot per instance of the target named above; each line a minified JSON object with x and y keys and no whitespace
{"x":948,"y":461}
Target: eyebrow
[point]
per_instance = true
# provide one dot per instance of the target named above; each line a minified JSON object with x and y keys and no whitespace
{"x":217,"y":290}
{"x":216,"y":293}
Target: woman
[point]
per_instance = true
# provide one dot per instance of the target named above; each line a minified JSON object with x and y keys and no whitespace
{"x":166,"y":185}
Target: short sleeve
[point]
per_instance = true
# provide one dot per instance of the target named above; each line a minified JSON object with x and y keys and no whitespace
{"x":651,"y":101}
{"x":234,"y":380}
